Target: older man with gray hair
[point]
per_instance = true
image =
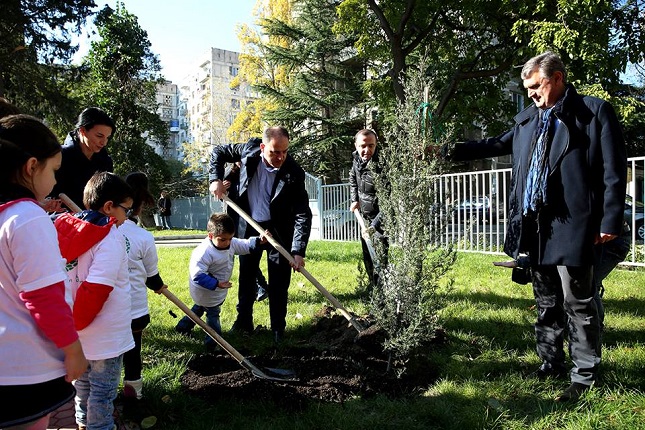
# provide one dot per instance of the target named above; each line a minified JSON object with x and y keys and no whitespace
{"x":567,"y":193}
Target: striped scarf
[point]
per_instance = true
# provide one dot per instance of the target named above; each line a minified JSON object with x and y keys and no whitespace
{"x":535,"y":194}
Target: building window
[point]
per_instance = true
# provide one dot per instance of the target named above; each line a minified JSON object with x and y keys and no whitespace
{"x":518,"y":101}
{"x":232,"y":70}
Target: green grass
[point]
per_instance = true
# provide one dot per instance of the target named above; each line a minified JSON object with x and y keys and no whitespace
{"x":176,"y":232}
{"x":481,"y":369}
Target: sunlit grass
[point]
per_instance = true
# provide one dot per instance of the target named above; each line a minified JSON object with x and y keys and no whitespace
{"x":482,"y":368}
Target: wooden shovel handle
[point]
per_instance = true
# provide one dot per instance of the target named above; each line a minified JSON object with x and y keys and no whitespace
{"x":69,"y":202}
{"x":289,"y":258}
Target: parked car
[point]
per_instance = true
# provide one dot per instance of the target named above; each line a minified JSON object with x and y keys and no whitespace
{"x":478,"y":208}
{"x":638,"y":216}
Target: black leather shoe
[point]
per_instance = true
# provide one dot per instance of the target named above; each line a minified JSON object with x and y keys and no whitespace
{"x":548,"y":371}
{"x":242,"y":328}
{"x":572,"y":393}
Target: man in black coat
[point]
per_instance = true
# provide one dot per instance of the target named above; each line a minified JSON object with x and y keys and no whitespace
{"x":567,"y":193}
{"x":362,"y":178}
{"x":271,"y":190}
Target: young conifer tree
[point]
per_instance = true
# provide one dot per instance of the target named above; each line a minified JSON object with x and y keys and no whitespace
{"x":405,"y":303}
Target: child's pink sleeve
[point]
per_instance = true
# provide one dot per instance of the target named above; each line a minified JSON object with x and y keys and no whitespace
{"x":51,"y":313}
{"x":89,"y":301}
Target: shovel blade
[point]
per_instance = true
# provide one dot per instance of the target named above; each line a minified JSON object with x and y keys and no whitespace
{"x":272,"y":374}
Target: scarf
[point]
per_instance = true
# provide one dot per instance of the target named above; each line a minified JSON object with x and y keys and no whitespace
{"x":536,"y":181}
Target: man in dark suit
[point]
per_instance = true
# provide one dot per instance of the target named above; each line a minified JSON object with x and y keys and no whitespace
{"x":567,"y":193}
{"x":271,"y":190}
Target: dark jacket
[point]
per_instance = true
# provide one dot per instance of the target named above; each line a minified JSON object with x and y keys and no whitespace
{"x":586,"y":185}
{"x":289,"y":206}
{"x":76,"y":169}
{"x":362,"y":178}
{"x":165,"y":206}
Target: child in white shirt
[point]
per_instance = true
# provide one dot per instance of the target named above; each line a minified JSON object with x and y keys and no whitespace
{"x":210,"y":269}
{"x":40,"y":352}
{"x":97,"y":266}
{"x":144,"y":275}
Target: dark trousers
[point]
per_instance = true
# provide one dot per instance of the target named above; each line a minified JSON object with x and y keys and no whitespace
{"x":565,"y":300}
{"x":132,"y":363}
{"x":381,"y":245}
{"x":279,"y":275}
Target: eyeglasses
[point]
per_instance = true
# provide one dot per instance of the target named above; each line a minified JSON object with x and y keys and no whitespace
{"x":128,"y":211}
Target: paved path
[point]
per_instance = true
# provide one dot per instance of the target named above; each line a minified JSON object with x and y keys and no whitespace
{"x":175,"y":241}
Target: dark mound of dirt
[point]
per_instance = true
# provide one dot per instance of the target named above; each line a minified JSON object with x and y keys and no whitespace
{"x":334,"y":365}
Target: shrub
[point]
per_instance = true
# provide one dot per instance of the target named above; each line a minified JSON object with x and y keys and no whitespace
{"x":405,"y":303}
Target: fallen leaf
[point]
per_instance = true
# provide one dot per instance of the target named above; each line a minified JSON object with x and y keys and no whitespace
{"x":148,"y":422}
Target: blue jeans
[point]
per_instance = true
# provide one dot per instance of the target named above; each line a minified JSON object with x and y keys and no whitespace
{"x":185,"y":325}
{"x":95,"y":393}
{"x":165,"y":222}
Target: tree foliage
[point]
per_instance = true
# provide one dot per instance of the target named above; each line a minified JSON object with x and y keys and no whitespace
{"x":257,"y":69}
{"x":474,"y":47}
{"x":121,"y":78}
{"x":35,"y":45}
{"x":405,"y":302}
{"x":320,"y":102}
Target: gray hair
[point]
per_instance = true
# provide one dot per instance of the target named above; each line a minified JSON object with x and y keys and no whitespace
{"x":547,"y":63}
{"x":273,"y":132}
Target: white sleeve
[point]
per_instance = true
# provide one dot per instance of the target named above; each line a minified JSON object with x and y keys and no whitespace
{"x":36,"y":240}
{"x":150,"y":258}
{"x":242,"y":246}
{"x":108,"y":256}
{"x":199,"y":261}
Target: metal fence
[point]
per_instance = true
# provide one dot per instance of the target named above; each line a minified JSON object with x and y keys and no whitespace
{"x":469,"y":210}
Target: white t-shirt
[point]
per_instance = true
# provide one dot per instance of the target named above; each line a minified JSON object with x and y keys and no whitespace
{"x":142,"y":264}
{"x":29,"y":260}
{"x":205,"y":258}
{"x":109,"y":335}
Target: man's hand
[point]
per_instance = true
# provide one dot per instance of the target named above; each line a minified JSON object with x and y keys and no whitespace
{"x":604,"y":237}
{"x":353,"y":206}
{"x":217,"y":189}
{"x":299,"y":262}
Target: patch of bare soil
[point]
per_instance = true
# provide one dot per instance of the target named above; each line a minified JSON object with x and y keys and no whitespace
{"x":335,"y":364}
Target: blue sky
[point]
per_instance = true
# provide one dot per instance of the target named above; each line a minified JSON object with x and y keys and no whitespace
{"x":180,"y":31}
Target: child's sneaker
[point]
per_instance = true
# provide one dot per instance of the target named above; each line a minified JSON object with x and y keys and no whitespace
{"x":133,"y":389}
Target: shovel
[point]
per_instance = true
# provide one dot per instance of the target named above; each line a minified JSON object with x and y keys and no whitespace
{"x":281,"y":375}
{"x":368,"y":240}
{"x":289,"y":258}
{"x":69,"y":203}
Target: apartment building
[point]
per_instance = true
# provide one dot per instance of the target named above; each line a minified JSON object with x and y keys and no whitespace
{"x":168,"y":100}
{"x":211,"y":102}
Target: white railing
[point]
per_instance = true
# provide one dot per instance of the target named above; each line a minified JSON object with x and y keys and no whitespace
{"x":470,"y":210}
